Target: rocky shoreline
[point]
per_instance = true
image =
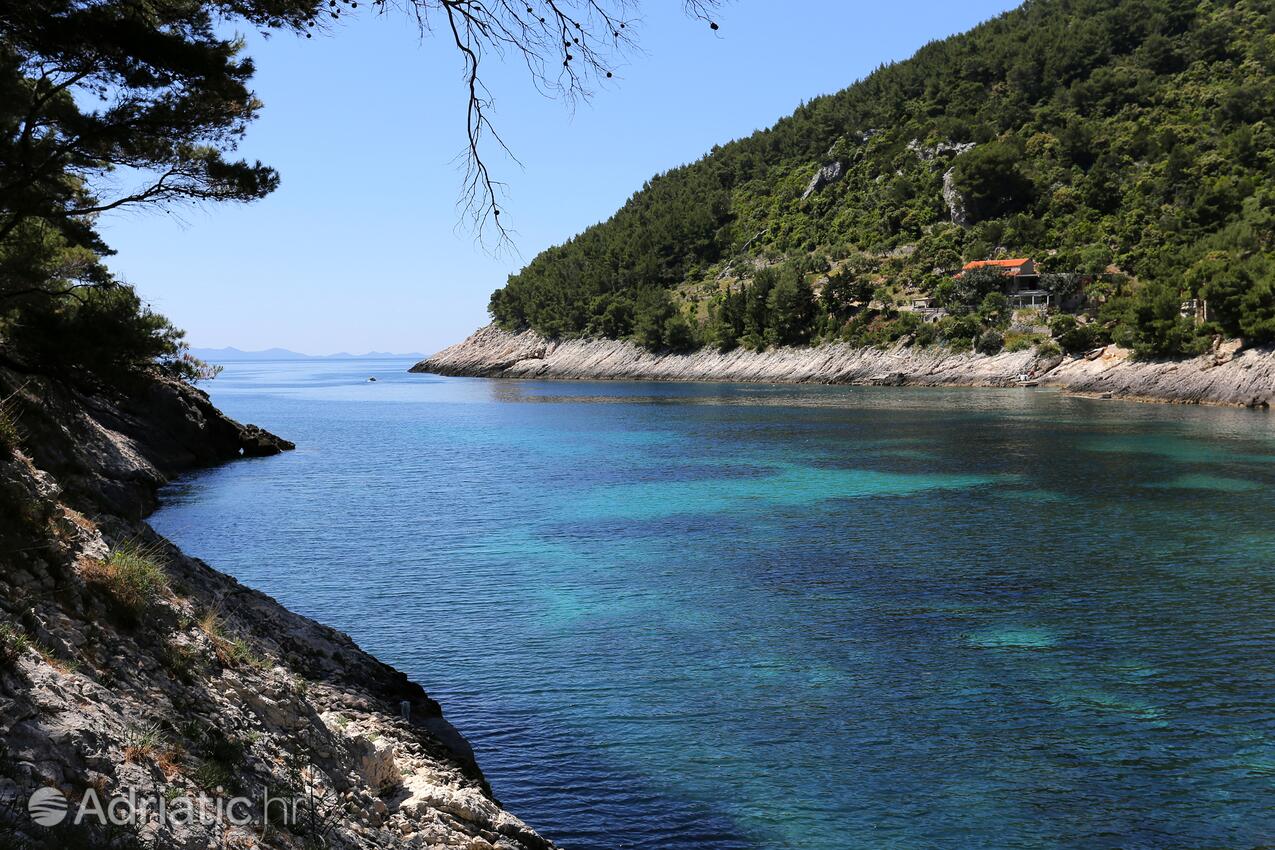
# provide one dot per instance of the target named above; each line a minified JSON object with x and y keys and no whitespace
{"x":125,"y":664}
{"x":1227,"y":376}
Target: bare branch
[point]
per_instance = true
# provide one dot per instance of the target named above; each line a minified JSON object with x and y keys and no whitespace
{"x":567,"y":46}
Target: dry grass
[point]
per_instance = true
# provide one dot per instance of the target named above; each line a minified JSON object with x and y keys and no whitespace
{"x":78,"y":518}
{"x":15,"y":643}
{"x":142,"y":743}
{"x":210,"y":624}
{"x":231,"y":650}
{"x":65,"y":666}
{"x":10,"y":434}
{"x":169,"y":762}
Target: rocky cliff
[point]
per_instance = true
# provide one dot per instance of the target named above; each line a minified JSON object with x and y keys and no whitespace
{"x":127,"y":667}
{"x":1227,"y":376}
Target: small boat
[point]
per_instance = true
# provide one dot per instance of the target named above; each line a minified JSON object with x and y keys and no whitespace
{"x":371,"y":380}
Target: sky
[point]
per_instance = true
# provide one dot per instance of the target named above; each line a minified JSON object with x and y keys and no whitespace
{"x":362,"y":247}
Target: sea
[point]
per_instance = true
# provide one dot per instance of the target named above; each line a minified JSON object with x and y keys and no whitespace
{"x":744,"y":617}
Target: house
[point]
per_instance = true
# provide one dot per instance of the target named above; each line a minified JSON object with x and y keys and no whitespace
{"x":1022,"y":281}
{"x":1010,"y":268}
{"x":924,"y":306}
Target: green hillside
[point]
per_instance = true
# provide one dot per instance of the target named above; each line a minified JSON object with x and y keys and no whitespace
{"x":1128,"y":147}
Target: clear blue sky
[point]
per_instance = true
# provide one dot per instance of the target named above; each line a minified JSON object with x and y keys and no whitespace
{"x":359,"y":248}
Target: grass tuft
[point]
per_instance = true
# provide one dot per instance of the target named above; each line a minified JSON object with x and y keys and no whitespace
{"x":211,"y":775}
{"x":10,"y":434}
{"x":232,"y":650}
{"x":142,"y":742}
{"x":133,"y":576}
{"x":182,"y":660}
{"x":14,"y":644}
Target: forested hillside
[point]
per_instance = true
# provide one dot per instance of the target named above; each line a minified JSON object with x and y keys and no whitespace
{"x":1127,"y":146}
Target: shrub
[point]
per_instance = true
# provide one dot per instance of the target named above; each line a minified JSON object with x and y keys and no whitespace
{"x":926,"y":334}
{"x":220,"y":755}
{"x":960,"y":331}
{"x":1018,"y":341}
{"x":990,"y":342}
{"x":995,"y":310}
{"x":1160,"y":329}
{"x":844,"y":293}
{"x":1258,"y":320}
{"x":1073,"y":337}
{"x":678,"y":334}
{"x":1065,"y":285}
{"x":991,"y":181}
{"x":211,"y":775}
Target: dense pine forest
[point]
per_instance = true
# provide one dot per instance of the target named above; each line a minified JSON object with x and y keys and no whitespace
{"x":1127,"y":146}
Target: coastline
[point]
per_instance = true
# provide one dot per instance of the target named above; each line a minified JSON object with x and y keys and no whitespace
{"x":207,"y":687}
{"x":1228,"y":377}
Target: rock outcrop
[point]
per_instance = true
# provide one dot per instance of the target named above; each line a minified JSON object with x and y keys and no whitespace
{"x":125,"y":664}
{"x":1244,"y":379}
{"x":116,"y":450}
{"x":826,"y":175}
{"x":1240,"y":379}
{"x":956,"y":206}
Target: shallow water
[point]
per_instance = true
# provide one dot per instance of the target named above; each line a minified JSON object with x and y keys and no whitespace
{"x":713,"y":616}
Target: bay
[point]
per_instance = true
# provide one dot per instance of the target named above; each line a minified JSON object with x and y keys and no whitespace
{"x":734,"y":616}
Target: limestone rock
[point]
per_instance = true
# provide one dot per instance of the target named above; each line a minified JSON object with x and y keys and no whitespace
{"x":1246,"y":379}
{"x":956,"y":205}
{"x":825,"y":176}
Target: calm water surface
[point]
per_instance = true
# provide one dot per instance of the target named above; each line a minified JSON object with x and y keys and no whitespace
{"x":714,"y":616}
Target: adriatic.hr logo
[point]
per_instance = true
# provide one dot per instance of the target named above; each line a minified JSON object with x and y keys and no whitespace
{"x":47,"y":807}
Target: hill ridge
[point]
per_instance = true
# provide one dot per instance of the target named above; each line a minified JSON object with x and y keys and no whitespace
{"x":1127,"y":145}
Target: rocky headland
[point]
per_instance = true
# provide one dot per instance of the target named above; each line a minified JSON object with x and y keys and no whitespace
{"x":125,"y":664}
{"x":1228,"y":375}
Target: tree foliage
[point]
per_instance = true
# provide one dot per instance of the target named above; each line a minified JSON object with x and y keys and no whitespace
{"x":1097,"y":136}
{"x":112,"y":104}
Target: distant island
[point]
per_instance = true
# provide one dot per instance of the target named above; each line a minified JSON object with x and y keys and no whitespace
{"x":222,"y":355}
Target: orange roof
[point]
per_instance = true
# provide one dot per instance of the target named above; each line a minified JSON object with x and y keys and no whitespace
{"x":1005,"y":264}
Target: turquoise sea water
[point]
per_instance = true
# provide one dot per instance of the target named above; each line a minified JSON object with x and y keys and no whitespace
{"x":712,"y":616}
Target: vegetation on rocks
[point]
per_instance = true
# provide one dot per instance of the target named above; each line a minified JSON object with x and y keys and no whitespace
{"x":132,"y":576}
{"x":1127,"y":145}
{"x":13,"y":644}
{"x":10,"y":433}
